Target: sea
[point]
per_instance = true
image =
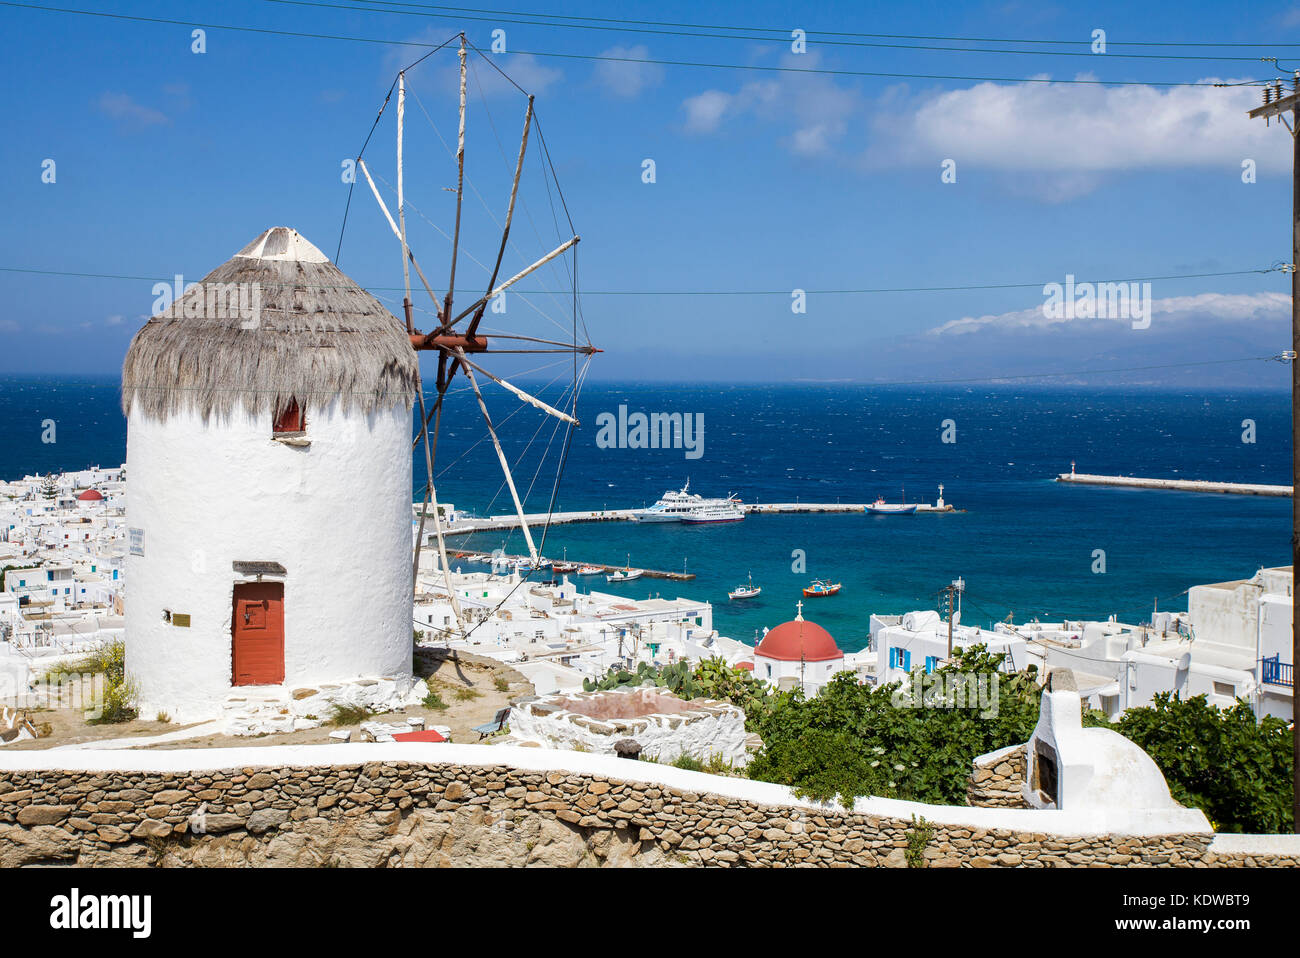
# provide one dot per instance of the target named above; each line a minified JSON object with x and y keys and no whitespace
{"x":1022,"y":543}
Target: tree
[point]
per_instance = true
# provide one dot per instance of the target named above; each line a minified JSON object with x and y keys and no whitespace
{"x":1235,"y":769}
{"x":50,"y":486}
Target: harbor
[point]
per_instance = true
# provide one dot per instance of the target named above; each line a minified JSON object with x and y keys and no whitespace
{"x":459,"y":524}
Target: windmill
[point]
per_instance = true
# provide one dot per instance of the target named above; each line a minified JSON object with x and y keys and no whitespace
{"x":458,"y":334}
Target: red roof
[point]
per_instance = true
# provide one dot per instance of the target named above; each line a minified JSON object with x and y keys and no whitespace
{"x":799,"y":639}
{"x":428,"y":735}
{"x":90,"y":495}
{"x":745,"y":665}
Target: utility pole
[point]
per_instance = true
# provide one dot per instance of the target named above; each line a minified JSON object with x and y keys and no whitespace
{"x":1277,"y":105}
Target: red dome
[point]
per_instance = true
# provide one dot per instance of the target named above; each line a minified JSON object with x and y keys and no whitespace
{"x":747,"y":666}
{"x":90,"y":495}
{"x":799,"y":639}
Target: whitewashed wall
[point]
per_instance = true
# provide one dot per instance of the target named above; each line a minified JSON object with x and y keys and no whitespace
{"x":335,"y":514}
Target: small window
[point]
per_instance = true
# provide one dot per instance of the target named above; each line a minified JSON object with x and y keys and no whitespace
{"x":1226,"y":689}
{"x":289,"y":419}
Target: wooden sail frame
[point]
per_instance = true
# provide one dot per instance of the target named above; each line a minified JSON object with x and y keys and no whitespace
{"x":453,"y":346}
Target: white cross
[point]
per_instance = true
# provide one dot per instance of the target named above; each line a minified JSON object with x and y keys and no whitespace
{"x":799,"y":607}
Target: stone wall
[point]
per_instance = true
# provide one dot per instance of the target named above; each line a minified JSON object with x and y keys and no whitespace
{"x":996,"y":779}
{"x":436,"y":805}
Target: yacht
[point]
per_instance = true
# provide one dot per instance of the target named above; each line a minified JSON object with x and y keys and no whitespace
{"x":676,"y":506}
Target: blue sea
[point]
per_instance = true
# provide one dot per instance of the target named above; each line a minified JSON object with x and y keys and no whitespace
{"x":1024,"y":544}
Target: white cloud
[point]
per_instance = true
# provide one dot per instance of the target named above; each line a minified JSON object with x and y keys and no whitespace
{"x":623,"y":77}
{"x":8,"y":326}
{"x":1217,"y":307}
{"x":813,"y":111}
{"x":128,"y":113}
{"x":704,"y":111}
{"x":1077,"y":128}
{"x":114,"y":320}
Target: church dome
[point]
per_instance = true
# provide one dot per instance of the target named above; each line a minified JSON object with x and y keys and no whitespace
{"x":798,"y":640}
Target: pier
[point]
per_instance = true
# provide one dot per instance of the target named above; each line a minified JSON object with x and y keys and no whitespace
{"x":645,"y":573}
{"x":471,"y":525}
{"x":1183,"y":485}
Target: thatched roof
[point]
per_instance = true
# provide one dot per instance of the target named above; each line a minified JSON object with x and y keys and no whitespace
{"x":277,"y":322}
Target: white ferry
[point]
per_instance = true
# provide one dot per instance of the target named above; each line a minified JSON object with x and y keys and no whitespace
{"x":725,"y":511}
{"x":676,"y":506}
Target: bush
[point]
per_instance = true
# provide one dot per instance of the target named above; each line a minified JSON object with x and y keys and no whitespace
{"x":1235,"y":769}
{"x":109,"y":660}
{"x":434,"y":701}
{"x":853,"y":740}
{"x":350,"y":714}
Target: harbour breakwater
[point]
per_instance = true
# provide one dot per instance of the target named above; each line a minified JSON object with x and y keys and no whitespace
{"x":419,"y":805}
{"x":1183,"y":485}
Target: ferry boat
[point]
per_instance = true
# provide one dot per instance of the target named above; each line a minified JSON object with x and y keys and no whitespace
{"x":882,"y":508}
{"x":820,"y":587}
{"x":745,"y":591}
{"x":725,"y":511}
{"x":676,"y":506}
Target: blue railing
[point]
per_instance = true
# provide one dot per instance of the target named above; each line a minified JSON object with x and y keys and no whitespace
{"x":1276,"y":672}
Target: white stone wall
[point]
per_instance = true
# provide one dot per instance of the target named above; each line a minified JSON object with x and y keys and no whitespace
{"x":710,"y":729}
{"x":335,"y":514}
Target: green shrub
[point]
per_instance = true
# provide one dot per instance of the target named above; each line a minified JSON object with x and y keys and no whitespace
{"x":350,"y":714}
{"x":109,"y":660}
{"x":853,"y":740}
{"x":434,"y":701}
{"x":1223,"y":761}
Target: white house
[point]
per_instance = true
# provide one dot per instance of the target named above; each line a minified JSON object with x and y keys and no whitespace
{"x":919,"y":640}
{"x":268,"y":509}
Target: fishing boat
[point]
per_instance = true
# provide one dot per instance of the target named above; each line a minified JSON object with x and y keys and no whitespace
{"x":820,"y":587}
{"x":590,"y":570}
{"x":745,"y":591}
{"x":565,"y":565}
{"x":882,"y":508}
{"x":726,"y":511}
{"x":624,"y":575}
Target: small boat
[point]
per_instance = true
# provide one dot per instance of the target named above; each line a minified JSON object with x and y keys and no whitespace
{"x":882,"y":508}
{"x":821,"y":587}
{"x":745,"y":591}
{"x":565,"y":565}
{"x":626,"y":574}
{"x":590,"y":570}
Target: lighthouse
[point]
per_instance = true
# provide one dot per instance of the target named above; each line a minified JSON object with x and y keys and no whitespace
{"x":269,"y":502}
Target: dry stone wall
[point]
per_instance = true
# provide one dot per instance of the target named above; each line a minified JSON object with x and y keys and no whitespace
{"x":996,"y":779}
{"x":446,"y":805}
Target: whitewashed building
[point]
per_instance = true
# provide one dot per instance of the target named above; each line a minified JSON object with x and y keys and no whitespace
{"x":268,"y":510}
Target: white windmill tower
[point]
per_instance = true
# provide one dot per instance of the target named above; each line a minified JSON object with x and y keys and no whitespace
{"x":268,"y":447}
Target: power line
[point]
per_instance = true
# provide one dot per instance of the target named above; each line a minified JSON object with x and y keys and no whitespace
{"x":697,"y":292}
{"x":267,"y":31}
{"x":547,"y":20}
{"x":835,"y":33}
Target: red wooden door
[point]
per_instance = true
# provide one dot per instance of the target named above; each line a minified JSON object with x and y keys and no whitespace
{"x":257,"y":634}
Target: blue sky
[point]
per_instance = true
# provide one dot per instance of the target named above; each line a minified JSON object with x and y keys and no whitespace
{"x":168,"y":162}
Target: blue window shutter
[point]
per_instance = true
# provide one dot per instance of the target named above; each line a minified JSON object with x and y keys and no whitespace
{"x":907,"y":661}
